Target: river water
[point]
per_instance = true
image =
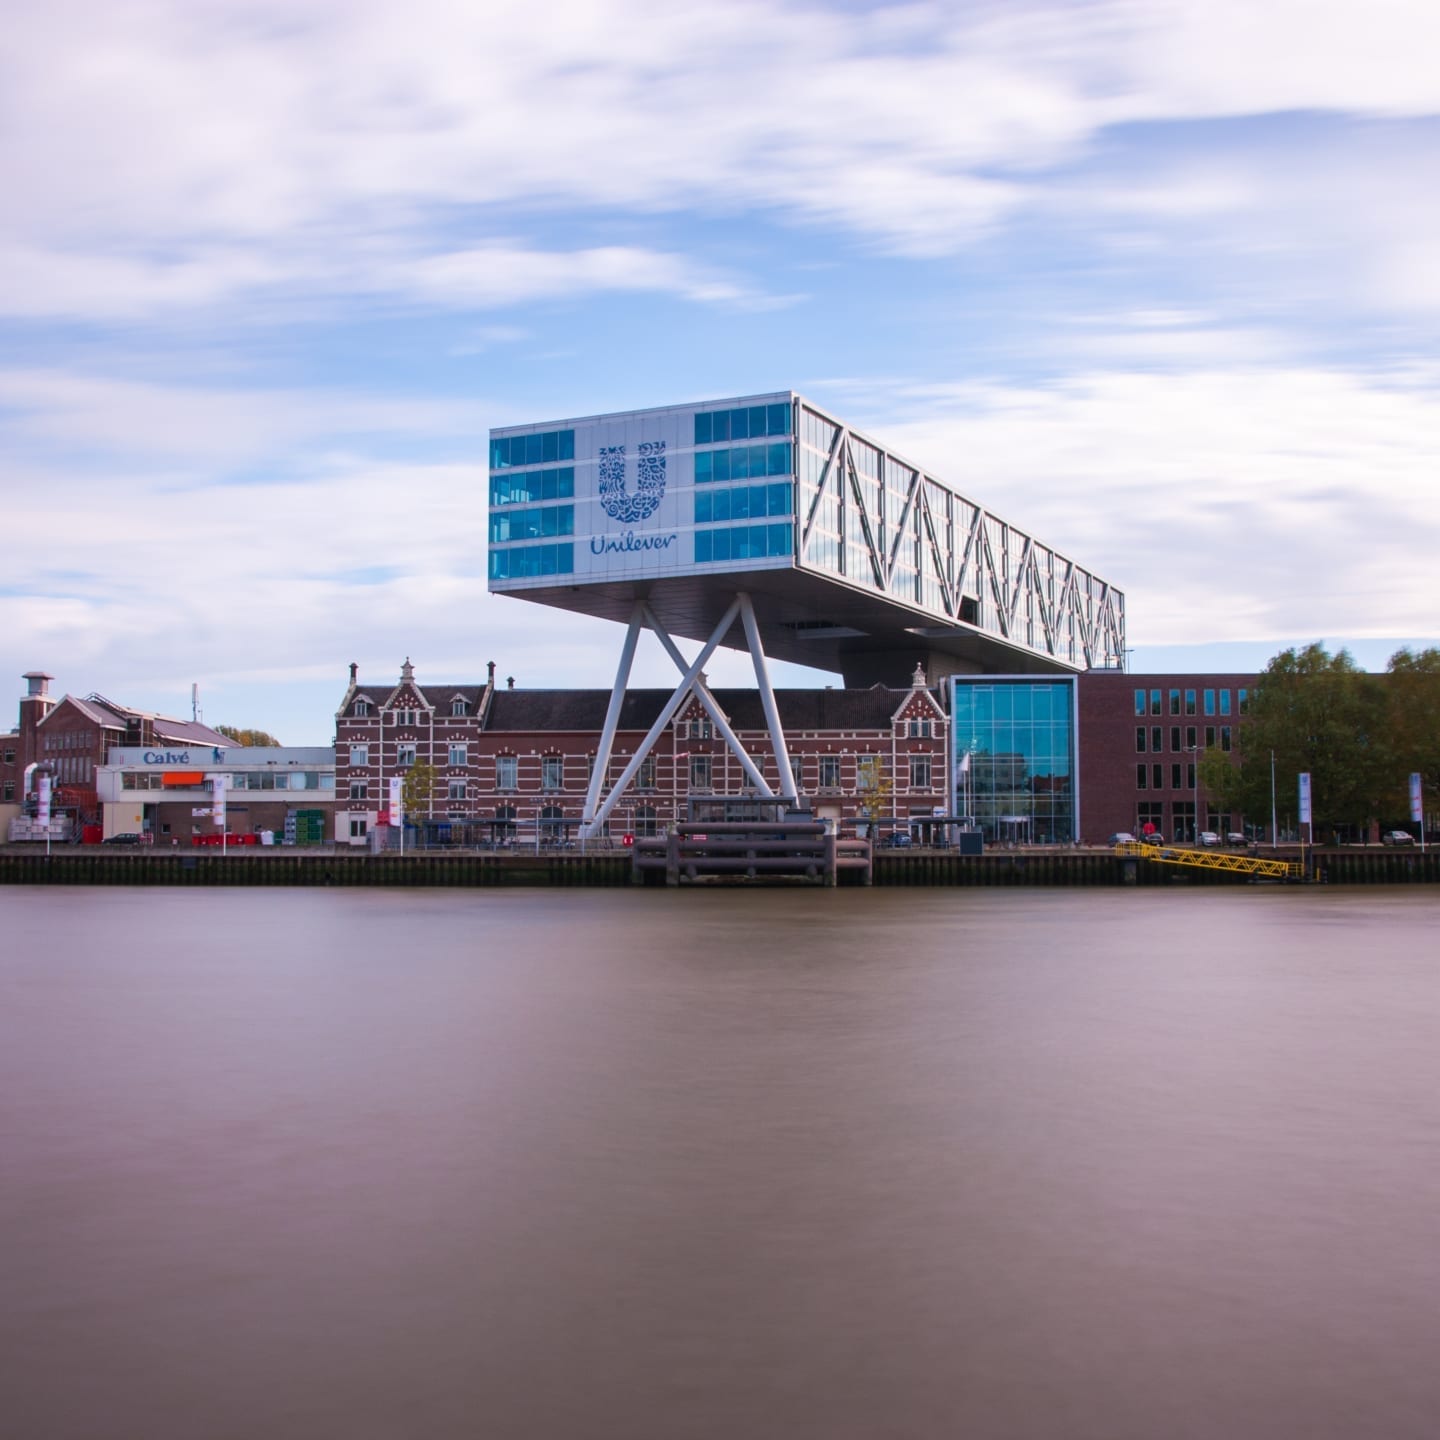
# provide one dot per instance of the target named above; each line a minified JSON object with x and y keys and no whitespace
{"x":790,"y":1163}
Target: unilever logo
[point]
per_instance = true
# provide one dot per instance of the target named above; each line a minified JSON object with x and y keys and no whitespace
{"x":650,"y":477}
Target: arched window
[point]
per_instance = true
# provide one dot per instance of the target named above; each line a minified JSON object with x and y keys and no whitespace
{"x":503,"y":826}
{"x":552,"y":827}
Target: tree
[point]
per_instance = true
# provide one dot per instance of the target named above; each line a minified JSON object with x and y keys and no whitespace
{"x":876,"y":789}
{"x":418,"y":792}
{"x":247,"y":737}
{"x":1313,"y":712}
{"x":1413,"y":694}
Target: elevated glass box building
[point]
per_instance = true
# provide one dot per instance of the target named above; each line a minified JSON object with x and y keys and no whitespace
{"x":764,"y":523}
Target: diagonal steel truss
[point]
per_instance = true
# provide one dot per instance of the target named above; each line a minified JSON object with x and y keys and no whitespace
{"x":692,"y":682}
{"x":889,"y":527}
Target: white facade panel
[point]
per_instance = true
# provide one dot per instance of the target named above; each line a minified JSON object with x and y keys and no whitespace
{"x":632,"y":505}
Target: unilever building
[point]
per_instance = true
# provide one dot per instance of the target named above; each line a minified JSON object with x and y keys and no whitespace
{"x":765,"y":524}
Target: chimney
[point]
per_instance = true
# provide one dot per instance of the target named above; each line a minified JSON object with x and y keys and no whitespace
{"x":509,"y":682}
{"x":490,"y":670}
{"x":354,"y":671}
{"x":38,"y":683}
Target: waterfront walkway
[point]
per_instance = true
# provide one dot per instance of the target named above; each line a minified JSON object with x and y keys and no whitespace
{"x":73,"y":865}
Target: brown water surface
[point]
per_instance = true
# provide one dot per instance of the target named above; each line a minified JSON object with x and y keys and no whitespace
{"x":725,"y":1164}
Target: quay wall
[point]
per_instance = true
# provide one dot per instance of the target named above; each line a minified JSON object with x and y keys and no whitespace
{"x":610,"y":868}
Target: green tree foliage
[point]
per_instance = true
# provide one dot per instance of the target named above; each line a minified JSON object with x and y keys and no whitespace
{"x":1319,"y":713}
{"x":247,"y":737}
{"x":1413,"y":695}
{"x":418,"y":792}
{"x":876,"y":789}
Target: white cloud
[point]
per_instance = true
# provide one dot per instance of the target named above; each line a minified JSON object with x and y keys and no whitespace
{"x":204,"y":426}
{"x":1225,"y":503}
{"x":161,"y":154}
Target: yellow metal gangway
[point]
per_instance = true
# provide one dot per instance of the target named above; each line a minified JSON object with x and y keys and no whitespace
{"x":1252,"y":865}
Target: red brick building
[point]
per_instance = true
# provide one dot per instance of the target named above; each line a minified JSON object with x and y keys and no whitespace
{"x":509,"y":762}
{"x":1140,"y":738}
{"x":70,"y":738}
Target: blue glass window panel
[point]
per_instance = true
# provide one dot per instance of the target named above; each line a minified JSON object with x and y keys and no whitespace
{"x":722,"y":505}
{"x":534,"y":449}
{"x":779,"y":503}
{"x":779,"y":459}
{"x":740,"y":504}
{"x":757,"y":421}
{"x":781,"y":542}
{"x":567,"y":449}
{"x":497,"y":448}
{"x":702,"y":430}
{"x":757,"y":461}
{"x":550,"y":446}
{"x":704,"y":513}
{"x":739,"y":424}
{"x":722,"y":544}
{"x":1224,"y":702}
{"x":720,"y":424}
{"x":704,"y":467}
{"x":740,"y":463}
{"x":722,"y":465}
{"x":702,"y":547}
{"x":779,"y":420}
{"x":499,"y":565}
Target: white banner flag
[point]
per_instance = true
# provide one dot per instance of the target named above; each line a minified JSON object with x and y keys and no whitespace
{"x":397,"y":800}
{"x":42,"y":801}
{"x":217,"y":803}
{"x":1305,"y":798}
{"x":1417,"y":809}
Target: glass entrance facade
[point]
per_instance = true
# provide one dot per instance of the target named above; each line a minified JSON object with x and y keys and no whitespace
{"x":1013,"y":766}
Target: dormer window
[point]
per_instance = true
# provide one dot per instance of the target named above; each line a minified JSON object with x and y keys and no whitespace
{"x":457,"y":707}
{"x":362,"y":708}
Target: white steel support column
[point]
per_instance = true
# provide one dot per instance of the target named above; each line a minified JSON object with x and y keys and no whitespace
{"x":722,"y":725}
{"x":590,"y":828}
{"x":767,"y":698}
{"x":612,"y":715}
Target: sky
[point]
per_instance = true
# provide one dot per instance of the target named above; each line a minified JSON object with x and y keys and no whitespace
{"x":1158,"y":282}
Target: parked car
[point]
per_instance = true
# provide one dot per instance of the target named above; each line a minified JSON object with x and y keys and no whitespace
{"x":1234,"y":837}
{"x":126,"y":838}
{"x":898,"y":839}
{"x":1121,"y":837}
{"x":1209,"y":837}
{"x":1397,"y":837}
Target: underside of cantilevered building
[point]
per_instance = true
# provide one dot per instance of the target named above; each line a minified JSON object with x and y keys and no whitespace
{"x":765,"y":524}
